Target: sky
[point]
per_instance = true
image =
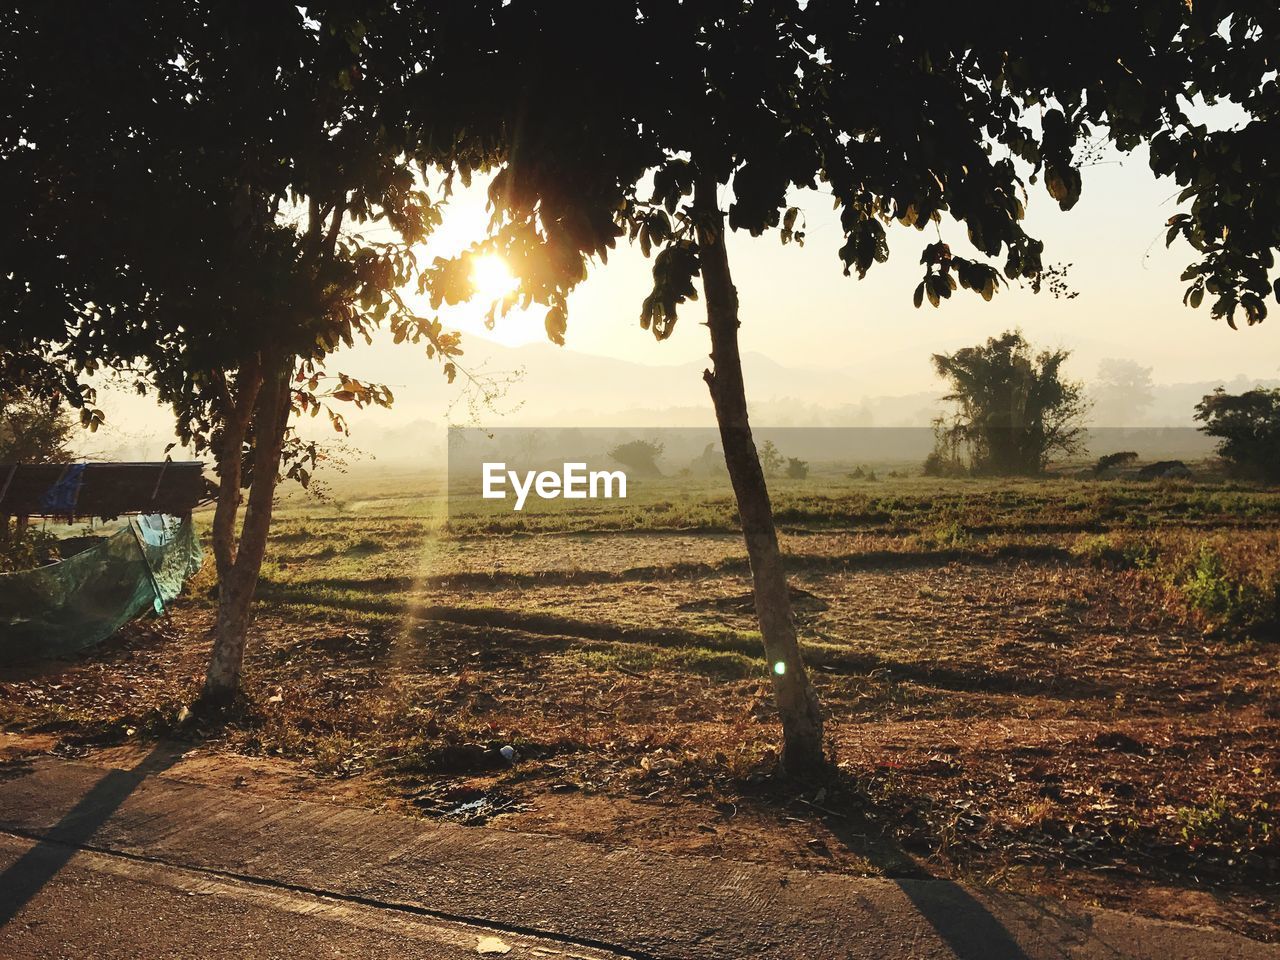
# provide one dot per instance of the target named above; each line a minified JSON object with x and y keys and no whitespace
{"x":799,"y":309}
{"x":801,"y":312}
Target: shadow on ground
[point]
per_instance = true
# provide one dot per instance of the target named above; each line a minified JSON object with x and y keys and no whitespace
{"x":28,"y":875}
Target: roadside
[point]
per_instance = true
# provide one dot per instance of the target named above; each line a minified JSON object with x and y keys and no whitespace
{"x":516,"y":885}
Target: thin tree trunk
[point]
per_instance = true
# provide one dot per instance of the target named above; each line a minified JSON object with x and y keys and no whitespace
{"x":797,"y":702}
{"x":237,"y":411}
{"x":237,"y":586}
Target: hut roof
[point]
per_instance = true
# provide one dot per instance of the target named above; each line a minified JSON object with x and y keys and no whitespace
{"x":101,"y":489}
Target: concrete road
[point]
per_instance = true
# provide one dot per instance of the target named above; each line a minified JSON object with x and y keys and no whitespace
{"x":104,"y":907}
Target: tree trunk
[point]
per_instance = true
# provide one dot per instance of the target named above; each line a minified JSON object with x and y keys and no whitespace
{"x":797,"y":702}
{"x":238,"y":570}
{"x":236,"y":413}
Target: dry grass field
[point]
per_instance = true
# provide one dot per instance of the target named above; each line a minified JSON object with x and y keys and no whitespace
{"x":1067,"y":686}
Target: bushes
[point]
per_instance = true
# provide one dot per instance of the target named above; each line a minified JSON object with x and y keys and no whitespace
{"x":22,"y":548}
{"x":1207,"y":585}
{"x":1112,"y":460}
{"x":948,"y":535}
{"x":639,"y":456}
{"x":1111,"y":550}
{"x":940,"y":464}
{"x":1238,"y":596}
{"x":1231,"y":588}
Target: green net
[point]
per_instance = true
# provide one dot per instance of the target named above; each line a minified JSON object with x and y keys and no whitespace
{"x":82,"y":600}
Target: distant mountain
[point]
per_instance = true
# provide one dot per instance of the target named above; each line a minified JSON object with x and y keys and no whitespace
{"x":545,"y":385}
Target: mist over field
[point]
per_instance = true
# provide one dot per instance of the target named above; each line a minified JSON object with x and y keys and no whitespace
{"x":542,"y":385}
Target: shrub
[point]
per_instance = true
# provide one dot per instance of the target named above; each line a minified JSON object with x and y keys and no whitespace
{"x":950,"y":535}
{"x":639,"y":456}
{"x":1108,"y":550}
{"x":1121,"y":459}
{"x":1232,"y":588}
{"x":1206,"y":584}
{"x":25,"y":548}
{"x":1248,"y":425}
{"x":1238,"y":826}
{"x":797,"y":469}
{"x":939,"y":464}
{"x":1238,"y":596}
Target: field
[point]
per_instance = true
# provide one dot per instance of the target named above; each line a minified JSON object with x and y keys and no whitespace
{"x":1066,"y":686}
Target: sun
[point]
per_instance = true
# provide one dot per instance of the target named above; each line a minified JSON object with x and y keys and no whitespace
{"x":492,"y":277}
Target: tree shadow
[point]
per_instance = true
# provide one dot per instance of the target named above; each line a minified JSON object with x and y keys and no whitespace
{"x":962,"y":921}
{"x":28,"y":875}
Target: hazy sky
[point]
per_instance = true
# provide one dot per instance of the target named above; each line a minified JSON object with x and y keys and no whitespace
{"x":798,"y":308}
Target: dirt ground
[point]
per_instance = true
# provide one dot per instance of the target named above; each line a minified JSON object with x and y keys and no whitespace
{"x":999,"y":710}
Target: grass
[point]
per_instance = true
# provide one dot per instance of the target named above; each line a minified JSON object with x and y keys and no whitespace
{"x":1067,"y":680}
{"x":1230,"y":585}
{"x":644,"y":659}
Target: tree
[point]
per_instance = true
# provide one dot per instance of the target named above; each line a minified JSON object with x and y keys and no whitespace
{"x":1014,"y":410}
{"x":639,"y":456}
{"x":34,"y":430}
{"x":682,"y":121}
{"x":771,"y":459}
{"x":31,"y":431}
{"x":797,"y":469}
{"x":1122,"y":392}
{"x":184,"y":186}
{"x":1248,"y":427}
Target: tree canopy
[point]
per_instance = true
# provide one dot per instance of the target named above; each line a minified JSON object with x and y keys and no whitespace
{"x":901,"y":117}
{"x":187,"y":216}
{"x":1247,"y":426}
{"x":34,"y":431}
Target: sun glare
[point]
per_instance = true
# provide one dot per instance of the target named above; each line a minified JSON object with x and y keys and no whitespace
{"x":492,"y":277}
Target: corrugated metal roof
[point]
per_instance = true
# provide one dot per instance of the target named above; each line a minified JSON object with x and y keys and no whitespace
{"x":101,"y":489}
